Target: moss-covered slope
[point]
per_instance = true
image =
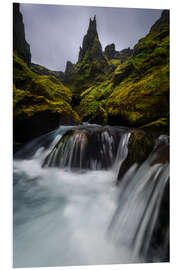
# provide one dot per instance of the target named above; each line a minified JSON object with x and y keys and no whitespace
{"x":45,"y":71}
{"x":40,"y":102}
{"x":130,"y":87}
{"x":39,"y":97}
{"x":137,"y":92}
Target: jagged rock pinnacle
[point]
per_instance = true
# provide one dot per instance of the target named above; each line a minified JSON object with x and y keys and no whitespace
{"x":69,"y":68}
{"x":20,"y":45}
{"x":91,"y":46}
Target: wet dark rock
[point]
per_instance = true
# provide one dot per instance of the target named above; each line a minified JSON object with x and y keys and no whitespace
{"x":140,"y":145}
{"x":160,"y":237}
{"x":86,"y":148}
{"x":27,"y":128}
{"x":17,"y":147}
{"x":162,"y":154}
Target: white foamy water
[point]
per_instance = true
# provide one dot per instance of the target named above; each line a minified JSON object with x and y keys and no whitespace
{"x":74,"y":218}
{"x":61,"y":218}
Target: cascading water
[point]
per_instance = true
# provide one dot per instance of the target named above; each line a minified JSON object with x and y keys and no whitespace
{"x":140,"y":197}
{"x":90,"y":147}
{"x":64,"y":216}
{"x":122,"y":153}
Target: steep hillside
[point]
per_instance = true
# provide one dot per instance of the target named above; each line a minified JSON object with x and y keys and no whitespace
{"x":130,"y":87}
{"x":40,"y":100}
{"x":136,"y":93}
{"x":44,"y":71}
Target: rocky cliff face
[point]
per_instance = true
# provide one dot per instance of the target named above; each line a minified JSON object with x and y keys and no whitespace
{"x":20,"y":45}
{"x":69,"y":68}
{"x":92,"y":65}
{"x":130,"y":87}
{"x":161,"y":25}
{"x":91,"y":46}
{"x":45,"y":71}
{"x":136,"y":92}
{"x":41,"y":102}
{"x":111,"y":53}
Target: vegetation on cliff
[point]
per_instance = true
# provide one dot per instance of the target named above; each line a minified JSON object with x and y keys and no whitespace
{"x":137,"y":92}
{"x":92,"y":66}
{"x":40,"y":100}
{"x":130,"y":87}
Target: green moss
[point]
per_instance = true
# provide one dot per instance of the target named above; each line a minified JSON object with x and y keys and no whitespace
{"x":140,"y":145}
{"x":93,"y":101}
{"x":34,"y":93}
{"x":93,"y":68}
{"x":135,"y":91}
{"x":141,"y":84}
{"x":142,"y":101}
{"x":122,"y":72}
{"x":161,"y":123}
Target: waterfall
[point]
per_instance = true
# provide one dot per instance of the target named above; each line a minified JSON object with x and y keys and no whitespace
{"x":91,"y":148}
{"x":122,"y":153}
{"x":44,"y":142}
{"x":70,"y":210}
{"x":140,"y":196}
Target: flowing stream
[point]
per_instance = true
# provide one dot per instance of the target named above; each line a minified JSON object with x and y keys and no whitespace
{"x":64,"y":216}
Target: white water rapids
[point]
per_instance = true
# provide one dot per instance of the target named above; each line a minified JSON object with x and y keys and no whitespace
{"x":65,"y":218}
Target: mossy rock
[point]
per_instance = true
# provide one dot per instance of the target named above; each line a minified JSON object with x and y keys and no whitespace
{"x":122,"y":72}
{"x":93,"y":100}
{"x":143,"y":101}
{"x":38,"y":99}
{"x":160,"y":124}
{"x":140,"y":145}
{"x":136,"y":93}
{"x":85,"y":148}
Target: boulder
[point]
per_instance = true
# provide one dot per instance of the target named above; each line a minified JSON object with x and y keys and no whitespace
{"x":92,"y":147}
{"x":140,"y":145}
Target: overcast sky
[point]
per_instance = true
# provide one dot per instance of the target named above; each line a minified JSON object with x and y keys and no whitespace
{"x":55,"y":32}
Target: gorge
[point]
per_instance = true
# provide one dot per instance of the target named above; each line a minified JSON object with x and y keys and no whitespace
{"x":91,"y":153}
